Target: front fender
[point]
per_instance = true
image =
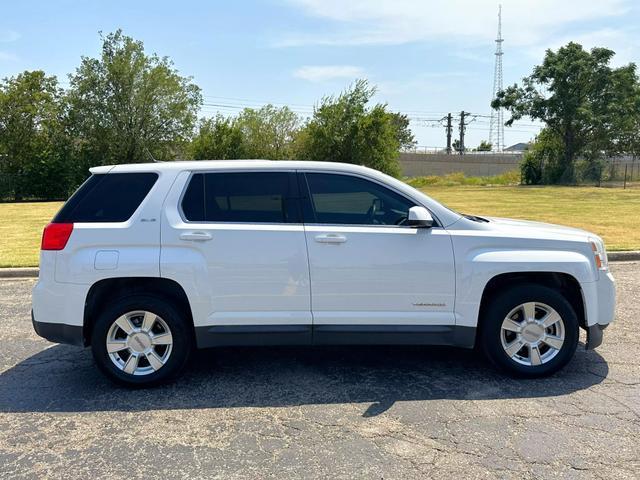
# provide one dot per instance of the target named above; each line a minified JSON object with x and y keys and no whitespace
{"x":478,"y":267}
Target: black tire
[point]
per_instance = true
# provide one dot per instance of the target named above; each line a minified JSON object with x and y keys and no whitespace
{"x":181,"y":349}
{"x":502,"y":304}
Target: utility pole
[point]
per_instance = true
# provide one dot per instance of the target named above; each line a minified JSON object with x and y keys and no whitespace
{"x":449,"y":130}
{"x":462,"y":127}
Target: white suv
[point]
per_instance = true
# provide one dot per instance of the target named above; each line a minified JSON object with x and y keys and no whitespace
{"x":146,"y":262}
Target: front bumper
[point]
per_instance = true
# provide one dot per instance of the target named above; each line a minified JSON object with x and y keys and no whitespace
{"x":594,"y":336}
{"x":59,"y":332}
{"x":600,"y":307}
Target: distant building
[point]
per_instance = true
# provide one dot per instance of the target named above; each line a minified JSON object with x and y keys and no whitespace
{"x":517,"y":147}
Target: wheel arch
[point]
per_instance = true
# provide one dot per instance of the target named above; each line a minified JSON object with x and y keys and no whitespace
{"x":567,"y":284}
{"x":107,"y":289}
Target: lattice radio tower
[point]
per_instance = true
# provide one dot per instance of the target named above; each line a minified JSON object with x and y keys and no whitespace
{"x":496,"y":126}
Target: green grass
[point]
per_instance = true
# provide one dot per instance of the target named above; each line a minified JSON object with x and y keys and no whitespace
{"x":609,"y":212}
{"x":21,"y":227}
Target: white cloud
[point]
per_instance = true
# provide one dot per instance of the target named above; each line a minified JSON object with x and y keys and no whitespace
{"x":9,"y":35}
{"x":624,"y":42}
{"x":323,"y":73}
{"x":377,"y":22}
{"x":8,"y":57}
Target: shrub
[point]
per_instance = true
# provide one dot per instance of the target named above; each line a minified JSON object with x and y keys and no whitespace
{"x":459,"y":178}
{"x":531,"y":170}
{"x":543,"y":163}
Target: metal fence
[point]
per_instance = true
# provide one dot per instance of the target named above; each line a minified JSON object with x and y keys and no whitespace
{"x":622,"y":172}
{"x":429,"y":150}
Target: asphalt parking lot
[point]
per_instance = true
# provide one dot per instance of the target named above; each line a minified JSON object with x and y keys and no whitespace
{"x":316,"y":413}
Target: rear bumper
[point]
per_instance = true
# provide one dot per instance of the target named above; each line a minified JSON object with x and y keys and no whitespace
{"x":59,"y":332}
{"x":57,"y":310}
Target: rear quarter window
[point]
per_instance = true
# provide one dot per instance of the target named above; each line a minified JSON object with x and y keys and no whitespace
{"x":111,"y":197}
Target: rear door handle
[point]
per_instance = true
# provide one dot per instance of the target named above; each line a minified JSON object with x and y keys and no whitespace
{"x":196,"y":236}
{"x":331,"y":238}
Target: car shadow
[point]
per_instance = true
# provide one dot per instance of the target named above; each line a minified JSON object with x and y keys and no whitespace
{"x":64,"y":379}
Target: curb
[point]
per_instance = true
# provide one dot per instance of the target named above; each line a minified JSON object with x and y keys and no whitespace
{"x":26,"y":272}
{"x":623,"y":256}
{"x":32,"y":272}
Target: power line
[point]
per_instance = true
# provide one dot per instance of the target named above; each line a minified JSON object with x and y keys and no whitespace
{"x":480,"y":119}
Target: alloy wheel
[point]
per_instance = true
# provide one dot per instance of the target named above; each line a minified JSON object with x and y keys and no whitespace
{"x":532,"y":334}
{"x":139,"y":342}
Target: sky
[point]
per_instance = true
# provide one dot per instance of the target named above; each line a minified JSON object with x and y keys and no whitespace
{"x":426,"y":58}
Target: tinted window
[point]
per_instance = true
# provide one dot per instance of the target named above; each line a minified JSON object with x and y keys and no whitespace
{"x":251,"y":197}
{"x":111,"y":197}
{"x":193,"y":199}
{"x":344,"y":199}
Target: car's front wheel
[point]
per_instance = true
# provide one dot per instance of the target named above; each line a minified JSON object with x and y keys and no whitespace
{"x":529,"y":331}
{"x":141,"y":341}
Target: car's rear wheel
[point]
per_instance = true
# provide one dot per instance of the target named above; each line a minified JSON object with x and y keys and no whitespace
{"x":141,"y":341}
{"x":529,"y":331}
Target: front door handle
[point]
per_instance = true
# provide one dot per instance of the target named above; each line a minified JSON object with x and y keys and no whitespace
{"x":196,"y":236}
{"x":331,"y":238}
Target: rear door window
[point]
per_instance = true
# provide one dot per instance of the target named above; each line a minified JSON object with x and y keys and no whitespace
{"x":111,"y":197}
{"x":242,"y":197}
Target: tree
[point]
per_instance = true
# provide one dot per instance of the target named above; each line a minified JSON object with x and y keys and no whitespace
{"x":484,"y":146}
{"x":344,"y":129}
{"x":218,"y":138}
{"x":574,"y":92}
{"x":404,"y":133}
{"x":268,"y":132}
{"x":625,"y":114}
{"x":127,"y":104}
{"x":630,"y":130}
{"x":32,"y":143}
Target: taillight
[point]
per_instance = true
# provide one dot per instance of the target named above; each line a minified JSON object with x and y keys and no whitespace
{"x":56,"y":235}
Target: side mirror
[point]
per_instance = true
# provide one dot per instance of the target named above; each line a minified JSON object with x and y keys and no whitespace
{"x":419,"y":217}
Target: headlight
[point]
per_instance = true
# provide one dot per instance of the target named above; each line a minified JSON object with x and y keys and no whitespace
{"x":599,"y":254}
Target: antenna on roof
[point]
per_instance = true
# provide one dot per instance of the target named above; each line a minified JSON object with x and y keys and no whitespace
{"x":150,"y":156}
